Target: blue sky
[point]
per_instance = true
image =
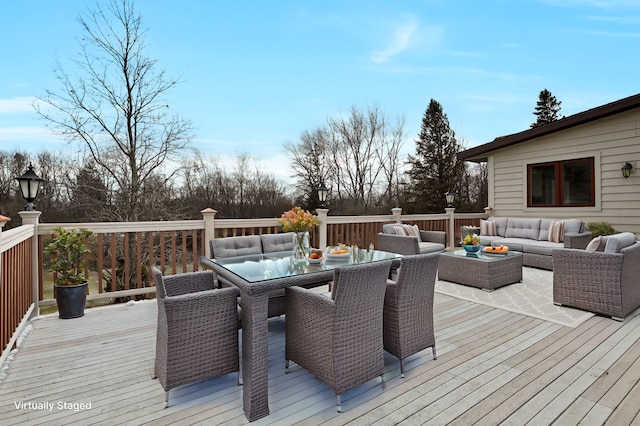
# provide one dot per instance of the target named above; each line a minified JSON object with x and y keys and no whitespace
{"x":256,"y":74}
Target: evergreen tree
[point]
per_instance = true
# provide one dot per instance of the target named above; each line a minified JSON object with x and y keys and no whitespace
{"x":547,"y":109}
{"x":435,"y":168}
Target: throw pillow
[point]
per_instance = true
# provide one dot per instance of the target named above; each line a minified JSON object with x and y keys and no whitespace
{"x":400,"y":230}
{"x":412,"y":231}
{"x":487,"y":228}
{"x":593,"y":245}
{"x":556,"y":231}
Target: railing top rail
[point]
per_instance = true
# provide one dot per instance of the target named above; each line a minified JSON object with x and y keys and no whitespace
{"x":110,"y":227}
{"x":15,"y":236}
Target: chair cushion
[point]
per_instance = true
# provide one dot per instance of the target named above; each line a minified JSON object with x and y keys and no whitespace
{"x":236,"y":246}
{"x":573,"y":226}
{"x":407,"y":230}
{"x":277,"y":242}
{"x":544,"y":229}
{"x":540,"y":247}
{"x":523,"y":228}
{"x":426,"y":247}
{"x":617,"y":242}
{"x":389,"y":228}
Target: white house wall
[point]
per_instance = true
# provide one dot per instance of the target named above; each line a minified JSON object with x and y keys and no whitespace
{"x":611,"y":141}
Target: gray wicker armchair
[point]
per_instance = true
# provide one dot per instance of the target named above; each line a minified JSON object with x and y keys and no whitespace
{"x":197,"y":336}
{"x":429,"y":242}
{"x":339,"y":339}
{"x":408,"y":308}
{"x":599,"y":282}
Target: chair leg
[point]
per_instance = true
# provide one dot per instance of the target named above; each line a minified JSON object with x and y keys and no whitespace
{"x":433,"y":349}
{"x":402,"y":368}
{"x":166,"y":399}
{"x":286,"y":366}
{"x":338,"y":403}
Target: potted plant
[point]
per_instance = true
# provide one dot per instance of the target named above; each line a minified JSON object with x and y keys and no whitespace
{"x":68,"y":250}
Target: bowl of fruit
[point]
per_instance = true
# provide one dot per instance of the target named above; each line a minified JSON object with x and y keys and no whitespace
{"x":471,"y":243}
{"x":315,"y":256}
{"x":496,"y":251}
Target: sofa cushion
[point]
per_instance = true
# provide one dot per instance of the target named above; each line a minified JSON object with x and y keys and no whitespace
{"x":616,"y":242}
{"x":512,"y":243}
{"x":523,"y":228}
{"x":544,"y":229}
{"x":540,"y":247}
{"x":487,"y":227}
{"x":487,"y":240}
{"x":556,"y":231}
{"x":501,"y":225}
{"x":389,"y":228}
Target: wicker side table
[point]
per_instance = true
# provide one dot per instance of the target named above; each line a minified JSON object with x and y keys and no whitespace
{"x":479,"y":270}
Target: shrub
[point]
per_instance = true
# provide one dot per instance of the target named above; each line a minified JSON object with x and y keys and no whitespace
{"x":600,"y":228}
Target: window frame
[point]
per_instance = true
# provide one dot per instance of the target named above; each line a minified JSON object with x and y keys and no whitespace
{"x":559,"y":183}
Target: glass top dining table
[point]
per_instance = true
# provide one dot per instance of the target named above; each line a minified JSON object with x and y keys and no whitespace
{"x":257,"y":275}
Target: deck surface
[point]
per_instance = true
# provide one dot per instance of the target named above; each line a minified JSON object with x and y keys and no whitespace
{"x":493,"y":367}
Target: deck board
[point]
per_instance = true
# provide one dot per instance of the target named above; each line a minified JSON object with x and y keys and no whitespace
{"x":493,"y":367}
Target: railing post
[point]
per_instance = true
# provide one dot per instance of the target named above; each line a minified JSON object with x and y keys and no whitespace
{"x":3,"y":221}
{"x":322,"y":216}
{"x":488,"y":211}
{"x":209,"y":216}
{"x":397,"y":212}
{"x":451,"y":233}
{"x":33,"y":218}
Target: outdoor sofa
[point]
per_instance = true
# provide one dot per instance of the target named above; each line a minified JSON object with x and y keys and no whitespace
{"x":403,"y":239}
{"x":602,"y":279}
{"x":535,"y":238}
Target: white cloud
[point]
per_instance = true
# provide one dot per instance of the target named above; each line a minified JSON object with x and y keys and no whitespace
{"x":403,"y":38}
{"x":16,"y":105}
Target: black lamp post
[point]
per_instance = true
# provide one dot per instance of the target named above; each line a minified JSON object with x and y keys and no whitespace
{"x":450,"y":196}
{"x":322,"y":194}
{"x":29,"y":186}
{"x":626,"y":170}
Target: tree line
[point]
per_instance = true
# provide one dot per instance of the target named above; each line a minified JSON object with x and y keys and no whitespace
{"x":136,"y":163}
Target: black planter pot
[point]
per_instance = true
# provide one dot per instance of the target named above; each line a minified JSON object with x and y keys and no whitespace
{"x":71,"y":300}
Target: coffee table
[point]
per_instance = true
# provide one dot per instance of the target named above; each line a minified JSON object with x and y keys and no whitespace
{"x":480,"y":270}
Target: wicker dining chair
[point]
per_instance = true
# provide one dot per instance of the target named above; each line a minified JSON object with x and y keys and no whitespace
{"x":408,"y":308}
{"x":197,"y":335}
{"x":339,"y":339}
{"x":248,"y":246}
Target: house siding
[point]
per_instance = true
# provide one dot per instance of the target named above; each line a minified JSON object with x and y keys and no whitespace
{"x":612,"y":141}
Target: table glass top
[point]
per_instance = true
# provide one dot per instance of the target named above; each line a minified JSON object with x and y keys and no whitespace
{"x":482,"y":255}
{"x":261,"y":267}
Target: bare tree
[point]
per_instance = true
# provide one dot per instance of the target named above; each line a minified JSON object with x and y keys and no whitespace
{"x":115,"y":104}
{"x":357,"y":156}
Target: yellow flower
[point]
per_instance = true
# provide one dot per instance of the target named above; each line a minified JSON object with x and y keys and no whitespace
{"x":297,"y":220}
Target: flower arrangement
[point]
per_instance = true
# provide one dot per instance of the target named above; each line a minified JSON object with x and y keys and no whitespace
{"x":297,"y":220}
{"x":471,"y":240}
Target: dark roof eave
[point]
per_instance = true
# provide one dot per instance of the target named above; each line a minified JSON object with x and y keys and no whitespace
{"x":478,"y":153}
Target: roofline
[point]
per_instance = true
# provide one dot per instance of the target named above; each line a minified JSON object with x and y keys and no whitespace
{"x":478,"y":153}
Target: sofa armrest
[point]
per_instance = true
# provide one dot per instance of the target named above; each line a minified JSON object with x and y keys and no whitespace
{"x":577,"y":240}
{"x":400,"y":244}
{"x":434,"y":237}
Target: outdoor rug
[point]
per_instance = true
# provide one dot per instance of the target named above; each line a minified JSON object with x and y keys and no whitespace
{"x":532,"y":297}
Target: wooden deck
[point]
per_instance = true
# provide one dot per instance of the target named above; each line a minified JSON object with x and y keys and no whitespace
{"x":493,"y":367}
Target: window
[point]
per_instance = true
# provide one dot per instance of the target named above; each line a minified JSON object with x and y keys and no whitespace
{"x":567,"y":183}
